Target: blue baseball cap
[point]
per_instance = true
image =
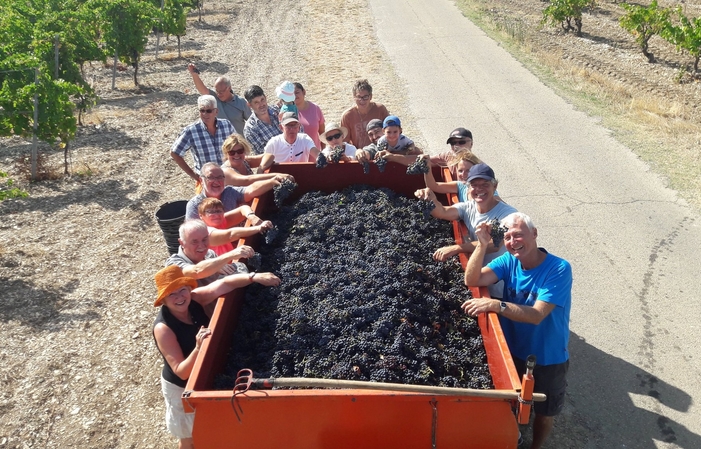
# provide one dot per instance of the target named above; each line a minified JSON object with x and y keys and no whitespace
{"x":480,"y":171}
{"x":391,"y":120}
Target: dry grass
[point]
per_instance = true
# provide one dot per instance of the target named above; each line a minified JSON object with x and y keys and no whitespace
{"x":663,"y":130}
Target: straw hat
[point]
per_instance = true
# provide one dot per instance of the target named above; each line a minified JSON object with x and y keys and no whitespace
{"x":171,"y":279}
{"x":333,"y":127}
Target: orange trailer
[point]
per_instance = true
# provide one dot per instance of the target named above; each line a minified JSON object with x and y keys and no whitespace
{"x":347,"y":418}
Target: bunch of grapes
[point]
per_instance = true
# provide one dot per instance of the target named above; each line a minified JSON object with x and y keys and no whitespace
{"x":381,"y":163}
{"x":283,"y":190}
{"x":497,"y":232}
{"x":419,"y":167}
{"x":254,"y":261}
{"x":270,"y":234}
{"x":321,"y":161}
{"x":337,"y":154}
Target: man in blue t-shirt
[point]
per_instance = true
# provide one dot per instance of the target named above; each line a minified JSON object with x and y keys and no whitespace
{"x":535,"y":311}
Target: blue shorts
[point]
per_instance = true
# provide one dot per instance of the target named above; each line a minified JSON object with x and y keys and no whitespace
{"x":550,"y":380}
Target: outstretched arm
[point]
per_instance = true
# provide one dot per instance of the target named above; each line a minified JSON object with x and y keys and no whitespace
{"x":209,"y":267}
{"x":223,"y":236}
{"x":440,"y":211}
{"x":199,"y":85}
{"x":208,"y":293}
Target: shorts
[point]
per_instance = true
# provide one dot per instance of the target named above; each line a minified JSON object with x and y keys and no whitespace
{"x":550,"y":380}
{"x":178,"y":422}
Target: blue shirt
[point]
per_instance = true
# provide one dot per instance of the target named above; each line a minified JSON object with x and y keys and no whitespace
{"x":205,"y":147}
{"x":551,"y":281}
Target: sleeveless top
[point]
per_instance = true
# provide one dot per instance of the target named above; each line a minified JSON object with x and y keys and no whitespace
{"x":249,"y":170}
{"x":185,"y":333}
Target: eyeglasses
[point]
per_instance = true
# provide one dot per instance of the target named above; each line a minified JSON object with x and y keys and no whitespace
{"x":335,"y":136}
{"x":239,"y":151}
{"x":206,"y":111}
{"x":213,"y":212}
{"x":215,"y":178}
{"x":458,"y":142}
{"x":363,"y":98}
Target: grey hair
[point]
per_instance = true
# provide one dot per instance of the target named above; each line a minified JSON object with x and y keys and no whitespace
{"x":512,"y":218}
{"x":223,"y":79}
{"x":189,"y":226}
{"x":206,"y":101}
{"x":207,"y":166}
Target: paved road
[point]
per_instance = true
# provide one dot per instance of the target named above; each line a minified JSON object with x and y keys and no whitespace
{"x":633,"y":243}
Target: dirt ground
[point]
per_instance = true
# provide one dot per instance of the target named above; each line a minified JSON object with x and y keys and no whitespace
{"x":78,"y":365}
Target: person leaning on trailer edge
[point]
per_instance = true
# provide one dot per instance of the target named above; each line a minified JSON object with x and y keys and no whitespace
{"x":534,"y":313}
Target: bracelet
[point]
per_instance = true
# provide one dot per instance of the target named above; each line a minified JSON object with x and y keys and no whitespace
{"x":251,"y":276}
{"x":249,"y":214}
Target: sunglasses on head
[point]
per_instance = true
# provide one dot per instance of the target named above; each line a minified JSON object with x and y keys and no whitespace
{"x":206,"y":111}
{"x":458,"y":142}
{"x":239,"y":151}
{"x":334,"y":137}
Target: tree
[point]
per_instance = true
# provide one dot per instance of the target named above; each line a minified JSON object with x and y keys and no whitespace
{"x":174,"y":19}
{"x":686,"y":36}
{"x":564,"y":12}
{"x":645,"y":22}
{"x":125,"y":26}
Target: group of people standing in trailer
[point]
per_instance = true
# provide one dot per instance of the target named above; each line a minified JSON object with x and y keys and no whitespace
{"x":234,"y":143}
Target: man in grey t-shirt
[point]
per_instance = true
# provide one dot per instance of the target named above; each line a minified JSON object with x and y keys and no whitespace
{"x":483,"y":207}
{"x":231,"y":107}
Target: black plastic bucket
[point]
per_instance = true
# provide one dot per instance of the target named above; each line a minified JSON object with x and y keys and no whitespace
{"x":170,"y":216}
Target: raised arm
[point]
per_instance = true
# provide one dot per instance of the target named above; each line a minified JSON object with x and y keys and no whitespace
{"x":199,"y":85}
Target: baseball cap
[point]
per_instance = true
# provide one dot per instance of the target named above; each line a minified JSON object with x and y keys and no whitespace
{"x":480,"y":171}
{"x":374,"y":123}
{"x":459,"y":133}
{"x":391,"y":120}
{"x":288,"y":117}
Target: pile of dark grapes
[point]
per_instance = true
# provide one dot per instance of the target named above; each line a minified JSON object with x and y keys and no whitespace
{"x":419,"y":167}
{"x":283,"y":190}
{"x":497,"y":232}
{"x":361,"y":297}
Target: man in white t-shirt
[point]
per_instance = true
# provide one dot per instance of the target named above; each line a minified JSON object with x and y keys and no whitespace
{"x":483,"y":207}
{"x":291,"y":145}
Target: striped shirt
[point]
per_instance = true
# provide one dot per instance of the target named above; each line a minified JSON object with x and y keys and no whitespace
{"x":205,"y":147}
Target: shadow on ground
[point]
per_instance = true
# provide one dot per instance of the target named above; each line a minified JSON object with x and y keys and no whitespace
{"x":603,"y":405}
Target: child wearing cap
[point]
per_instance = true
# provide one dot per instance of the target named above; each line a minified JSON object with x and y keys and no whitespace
{"x":395,"y":146}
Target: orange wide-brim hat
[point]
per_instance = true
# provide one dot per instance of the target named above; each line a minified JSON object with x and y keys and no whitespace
{"x":169,"y":280}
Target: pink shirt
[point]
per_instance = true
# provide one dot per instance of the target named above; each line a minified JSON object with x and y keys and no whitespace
{"x":311,"y":118}
{"x":221,"y":249}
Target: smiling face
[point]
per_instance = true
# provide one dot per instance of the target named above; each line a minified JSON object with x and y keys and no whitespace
{"x":214,"y":217}
{"x":213,"y":182}
{"x":462,"y":169}
{"x":374,"y":134}
{"x":482,"y":191}
{"x":236,"y":154}
{"x":179,"y":300}
{"x":392,"y":134}
{"x":520,"y":241}
{"x":290,"y":131}
{"x":259,"y":105}
{"x":195,"y":244}
{"x":362,"y":99}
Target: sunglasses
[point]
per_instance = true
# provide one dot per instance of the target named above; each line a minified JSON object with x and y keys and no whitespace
{"x":458,"y":142}
{"x":239,"y":151}
{"x":334,"y":137}
{"x":206,"y":111}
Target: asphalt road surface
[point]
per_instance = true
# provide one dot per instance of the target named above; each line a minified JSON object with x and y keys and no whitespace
{"x":633,"y":244}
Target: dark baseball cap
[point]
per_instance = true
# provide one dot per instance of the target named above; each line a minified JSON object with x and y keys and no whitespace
{"x":459,"y":133}
{"x":480,"y":171}
{"x":374,"y":123}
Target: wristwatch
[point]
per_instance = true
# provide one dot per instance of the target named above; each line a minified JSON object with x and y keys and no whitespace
{"x":251,"y":275}
{"x":502,"y":307}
